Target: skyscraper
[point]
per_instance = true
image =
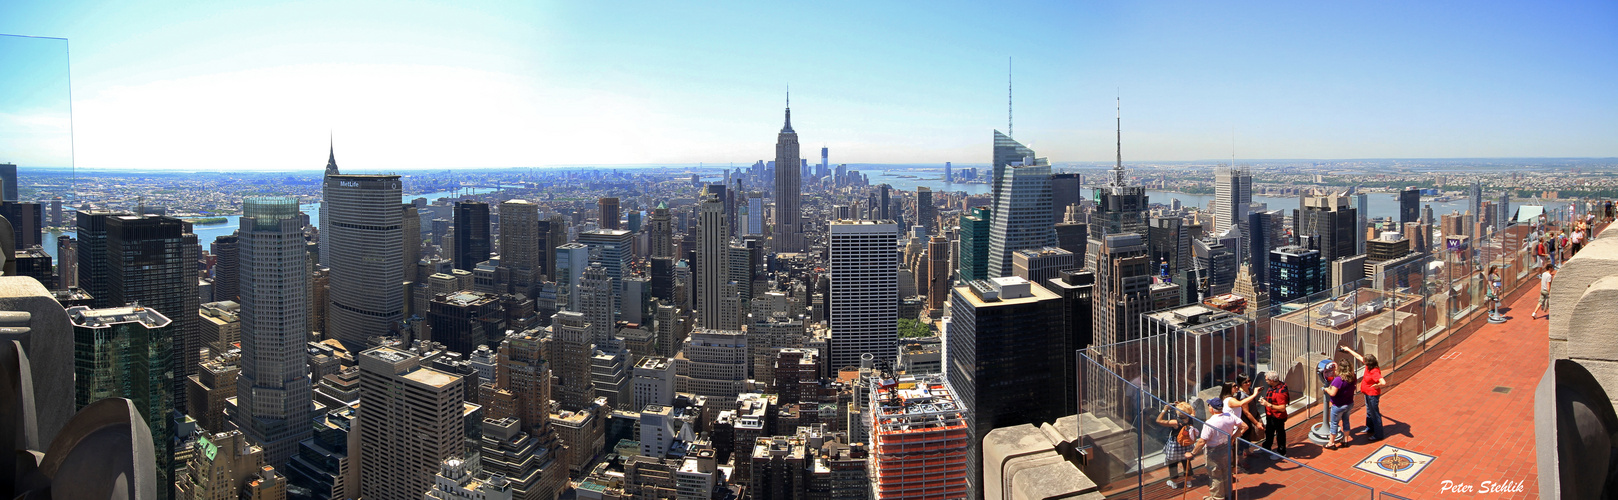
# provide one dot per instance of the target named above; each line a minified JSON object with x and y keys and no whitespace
{"x":864,"y":271}
{"x":1065,"y":191}
{"x":366,"y":299}
{"x":27,"y":222}
{"x":661,"y":232}
{"x":225,"y":270}
{"x":609,"y":212}
{"x":1122,"y":287}
{"x":410,"y":421}
{"x":273,"y":390}
{"x":125,"y":352}
{"x":472,"y":244}
{"x":1021,"y":220}
{"x":1002,"y":347}
{"x":1409,"y":205}
{"x":520,"y":240}
{"x":1296,"y":272}
{"x":1266,"y":231}
{"x":926,"y":211}
{"x":614,"y":249}
{"x":788,"y":210}
{"x":148,"y":264}
{"x":8,"y":177}
{"x":713,"y":261}
{"x":938,"y":282}
{"x":974,"y":245}
{"x":1006,"y":151}
{"x":552,"y":234}
{"x":1331,"y":226}
{"x":92,"y":255}
{"x":1233,"y":193}
{"x":409,"y":239}
{"x":572,"y":348}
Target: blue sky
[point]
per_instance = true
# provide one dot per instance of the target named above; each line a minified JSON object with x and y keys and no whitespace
{"x":404,"y":85}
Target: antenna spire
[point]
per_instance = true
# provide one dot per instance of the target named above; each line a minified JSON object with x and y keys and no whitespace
{"x":1118,"y":171}
{"x":1010,"y":132}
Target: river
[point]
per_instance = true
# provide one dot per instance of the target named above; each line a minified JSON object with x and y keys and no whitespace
{"x":207,"y":233}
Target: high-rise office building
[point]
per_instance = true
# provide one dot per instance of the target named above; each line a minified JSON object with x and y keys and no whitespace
{"x":1265,"y":231}
{"x":1331,"y":225}
{"x":614,"y":249}
{"x":151,"y":261}
{"x":610,"y":215}
{"x":713,"y":364}
{"x":273,"y":391}
{"x":27,"y":222}
{"x":571,"y":343}
{"x":1123,"y":280}
{"x":464,"y":320}
{"x":1409,"y":205}
{"x":520,"y":241}
{"x":328,"y":463}
{"x":411,"y":419}
{"x":92,"y":255}
{"x":595,"y":301}
{"x":974,"y":245}
{"x":788,"y":191}
{"x":8,"y":182}
{"x":864,"y":271}
{"x":126,"y":352}
{"x":713,"y":262}
{"x":938,"y":282}
{"x":1296,"y":272}
{"x":1021,"y":219}
{"x":1065,"y":192}
{"x":1474,"y":199}
{"x":1005,"y":152}
{"x":225,"y":270}
{"x":1001,"y":348}
{"x":552,"y":233}
{"x":365,"y":296}
{"x":661,"y":232}
{"x":1036,"y":265}
{"x":926,"y":212}
{"x":1233,"y":193}
{"x":472,"y":244}
{"x":409,"y":239}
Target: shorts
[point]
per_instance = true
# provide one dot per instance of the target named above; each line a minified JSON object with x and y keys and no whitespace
{"x":1545,"y":300}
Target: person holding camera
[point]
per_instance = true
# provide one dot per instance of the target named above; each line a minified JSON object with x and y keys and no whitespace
{"x":1182,"y":437}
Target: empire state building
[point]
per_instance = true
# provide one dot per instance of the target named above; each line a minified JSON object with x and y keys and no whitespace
{"x":788,"y":210}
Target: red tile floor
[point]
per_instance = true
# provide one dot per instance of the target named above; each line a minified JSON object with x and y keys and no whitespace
{"x":1449,"y":409}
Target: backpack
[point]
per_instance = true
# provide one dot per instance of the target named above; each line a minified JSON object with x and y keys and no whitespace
{"x":1187,"y":436}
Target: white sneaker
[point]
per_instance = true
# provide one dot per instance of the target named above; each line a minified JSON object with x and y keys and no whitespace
{"x":1172,"y":485}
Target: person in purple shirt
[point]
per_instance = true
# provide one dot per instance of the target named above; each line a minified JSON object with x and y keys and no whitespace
{"x":1341,"y":391}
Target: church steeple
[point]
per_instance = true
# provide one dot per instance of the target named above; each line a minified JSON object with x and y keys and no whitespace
{"x":331,"y":161}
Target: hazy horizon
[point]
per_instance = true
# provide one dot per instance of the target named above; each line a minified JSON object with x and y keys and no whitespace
{"x":414,"y":86}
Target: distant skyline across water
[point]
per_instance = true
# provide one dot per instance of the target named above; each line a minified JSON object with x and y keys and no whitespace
{"x":191,"y":84}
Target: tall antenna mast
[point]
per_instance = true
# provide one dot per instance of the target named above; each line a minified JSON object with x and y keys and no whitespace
{"x":1118,"y":171}
{"x":1009,"y":130}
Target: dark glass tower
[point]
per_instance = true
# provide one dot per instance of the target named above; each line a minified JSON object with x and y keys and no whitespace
{"x":147,"y":264}
{"x":471,"y":234}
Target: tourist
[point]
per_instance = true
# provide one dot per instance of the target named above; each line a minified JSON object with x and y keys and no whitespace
{"x":1182,"y":438}
{"x":1275,"y":414}
{"x":1341,"y":391}
{"x":1216,"y":436}
{"x":1371,"y":386}
{"x":1243,"y":399}
{"x":1545,"y":278}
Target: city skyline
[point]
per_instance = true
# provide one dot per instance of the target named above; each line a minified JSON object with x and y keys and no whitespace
{"x":527,"y":86}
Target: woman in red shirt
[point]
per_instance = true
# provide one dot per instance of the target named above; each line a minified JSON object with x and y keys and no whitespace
{"x":1371,"y":386}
